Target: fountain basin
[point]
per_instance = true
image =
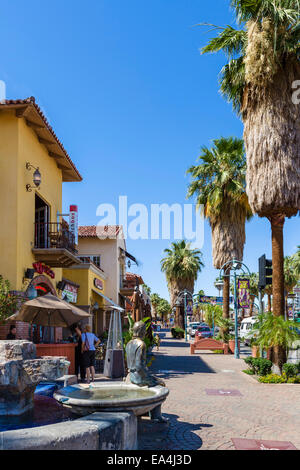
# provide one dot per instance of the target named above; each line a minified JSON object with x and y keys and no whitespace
{"x":111,"y":396}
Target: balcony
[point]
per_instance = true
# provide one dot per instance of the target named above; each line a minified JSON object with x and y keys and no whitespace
{"x":54,"y":245}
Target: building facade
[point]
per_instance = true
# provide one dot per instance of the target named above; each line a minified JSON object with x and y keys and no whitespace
{"x":35,"y":241}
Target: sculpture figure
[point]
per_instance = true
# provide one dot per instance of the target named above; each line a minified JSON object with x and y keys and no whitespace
{"x":139,"y":374}
{"x":136,"y":359}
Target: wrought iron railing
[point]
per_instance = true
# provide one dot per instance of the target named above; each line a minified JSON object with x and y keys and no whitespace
{"x":54,"y":235}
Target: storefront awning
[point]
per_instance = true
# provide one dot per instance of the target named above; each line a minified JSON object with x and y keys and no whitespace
{"x":107,"y":299}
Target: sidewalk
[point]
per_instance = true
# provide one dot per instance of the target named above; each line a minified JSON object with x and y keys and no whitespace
{"x":201,"y":421}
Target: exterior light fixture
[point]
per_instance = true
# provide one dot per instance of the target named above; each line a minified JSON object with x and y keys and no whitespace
{"x":37,"y":177}
{"x":29,"y":273}
{"x":219,"y":284}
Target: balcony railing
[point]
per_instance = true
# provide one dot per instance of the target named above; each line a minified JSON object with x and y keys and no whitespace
{"x":54,"y":235}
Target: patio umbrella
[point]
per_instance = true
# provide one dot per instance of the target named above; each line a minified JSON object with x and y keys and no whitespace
{"x":49,"y":310}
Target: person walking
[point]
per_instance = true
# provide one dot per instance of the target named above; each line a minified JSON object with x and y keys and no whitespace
{"x":88,"y":348}
{"x":79,"y":367}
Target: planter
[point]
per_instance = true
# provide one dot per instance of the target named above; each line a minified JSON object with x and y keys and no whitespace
{"x":231,"y":344}
{"x":255,"y":351}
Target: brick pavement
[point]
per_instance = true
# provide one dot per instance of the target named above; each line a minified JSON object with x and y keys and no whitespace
{"x":201,"y":421}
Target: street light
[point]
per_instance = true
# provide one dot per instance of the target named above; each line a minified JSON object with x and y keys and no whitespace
{"x":234,"y":265}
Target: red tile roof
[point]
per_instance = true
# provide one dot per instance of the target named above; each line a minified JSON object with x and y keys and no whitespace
{"x":133,"y":277}
{"x":101,"y":231}
{"x":37,"y":113}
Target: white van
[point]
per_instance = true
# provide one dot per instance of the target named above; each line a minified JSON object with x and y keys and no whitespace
{"x":246,"y":329}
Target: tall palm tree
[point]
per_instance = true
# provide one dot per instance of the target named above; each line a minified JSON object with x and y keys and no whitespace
{"x":268,"y":291}
{"x":155,"y":300}
{"x":290,"y":277}
{"x":219,"y":184}
{"x":253,"y":290}
{"x":263,"y":64}
{"x":181,"y":266}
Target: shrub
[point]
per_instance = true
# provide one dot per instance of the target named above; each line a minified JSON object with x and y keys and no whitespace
{"x":177,"y":333}
{"x":264,"y":366}
{"x":248,"y":371}
{"x":218,"y":351}
{"x":273,"y":379}
{"x":291,"y":370}
{"x":259,"y":365}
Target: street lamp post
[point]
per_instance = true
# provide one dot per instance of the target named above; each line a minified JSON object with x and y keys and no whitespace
{"x":234,"y":265}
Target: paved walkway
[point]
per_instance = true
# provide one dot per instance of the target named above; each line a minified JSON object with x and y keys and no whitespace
{"x":201,"y":421}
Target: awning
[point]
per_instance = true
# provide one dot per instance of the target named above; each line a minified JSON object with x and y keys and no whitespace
{"x":107,"y":299}
{"x":126,"y":299}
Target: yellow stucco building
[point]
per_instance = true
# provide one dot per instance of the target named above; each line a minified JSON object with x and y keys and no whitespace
{"x":35,"y":242}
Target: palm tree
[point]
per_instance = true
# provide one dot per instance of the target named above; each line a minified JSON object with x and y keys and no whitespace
{"x":268,"y":291}
{"x":219,"y":184}
{"x":181,"y":266}
{"x":290,"y":277}
{"x":296,"y":258}
{"x":155,"y":300}
{"x":253,"y":290}
{"x":263,"y":64}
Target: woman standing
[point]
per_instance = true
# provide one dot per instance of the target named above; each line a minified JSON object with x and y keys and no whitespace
{"x":89,"y":341}
{"x":79,"y":367}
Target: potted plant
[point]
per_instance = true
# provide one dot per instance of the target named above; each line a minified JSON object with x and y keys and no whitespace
{"x":255,"y":349}
{"x":231,"y":343}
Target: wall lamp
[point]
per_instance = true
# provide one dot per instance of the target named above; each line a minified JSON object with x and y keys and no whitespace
{"x":37,"y":177}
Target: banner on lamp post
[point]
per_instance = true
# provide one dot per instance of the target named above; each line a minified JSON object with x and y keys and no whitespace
{"x":74,"y":222}
{"x":244,"y":293}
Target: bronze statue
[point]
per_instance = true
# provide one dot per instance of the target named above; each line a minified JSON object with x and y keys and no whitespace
{"x":136,"y":359}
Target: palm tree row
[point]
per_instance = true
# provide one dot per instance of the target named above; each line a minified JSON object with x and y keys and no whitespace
{"x":263,"y":64}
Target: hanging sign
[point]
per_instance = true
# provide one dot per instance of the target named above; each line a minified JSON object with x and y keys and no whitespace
{"x":70,"y":293}
{"x":73,"y":222}
{"x":244,"y":293}
{"x":206,"y":299}
{"x":189,"y":309}
{"x":98,"y":283}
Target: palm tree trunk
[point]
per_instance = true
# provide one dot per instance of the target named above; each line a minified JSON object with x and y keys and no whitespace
{"x":277,"y":224}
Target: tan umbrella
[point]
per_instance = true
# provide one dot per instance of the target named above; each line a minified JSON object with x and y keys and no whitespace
{"x":49,"y":310}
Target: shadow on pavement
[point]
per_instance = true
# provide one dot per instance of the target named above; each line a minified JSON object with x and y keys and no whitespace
{"x":180,"y":435}
{"x":173,"y":366}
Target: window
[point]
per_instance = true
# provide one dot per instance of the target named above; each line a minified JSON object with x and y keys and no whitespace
{"x":97,"y":260}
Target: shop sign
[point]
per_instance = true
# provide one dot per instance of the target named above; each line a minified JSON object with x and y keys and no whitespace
{"x":207,"y":299}
{"x":73,"y":222}
{"x":70,"y":293}
{"x":41,"y":268}
{"x":98,"y":283}
{"x":244,"y":293}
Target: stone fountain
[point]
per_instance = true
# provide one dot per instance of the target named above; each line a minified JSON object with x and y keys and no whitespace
{"x":20,"y":373}
{"x":140,"y":393}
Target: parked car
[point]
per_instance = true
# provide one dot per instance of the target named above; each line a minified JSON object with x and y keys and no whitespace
{"x":192,"y":328}
{"x":245,"y":331}
{"x":203,"y":332}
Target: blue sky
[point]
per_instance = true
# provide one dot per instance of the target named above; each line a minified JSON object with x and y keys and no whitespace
{"x":132,"y":100}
